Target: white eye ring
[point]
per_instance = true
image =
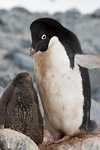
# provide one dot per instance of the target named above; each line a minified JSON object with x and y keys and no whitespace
{"x":43,"y":37}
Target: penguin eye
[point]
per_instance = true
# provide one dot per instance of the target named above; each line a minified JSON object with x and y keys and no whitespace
{"x":43,"y":37}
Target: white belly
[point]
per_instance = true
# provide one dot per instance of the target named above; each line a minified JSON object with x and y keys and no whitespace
{"x":60,"y":89}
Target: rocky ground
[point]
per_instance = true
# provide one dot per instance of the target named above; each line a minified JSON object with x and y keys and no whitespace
{"x":15,"y":43}
{"x":87,"y":143}
{"x":13,"y":140}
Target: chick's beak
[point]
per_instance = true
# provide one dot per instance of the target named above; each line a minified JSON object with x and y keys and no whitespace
{"x":29,"y":77}
{"x":32,"y":51}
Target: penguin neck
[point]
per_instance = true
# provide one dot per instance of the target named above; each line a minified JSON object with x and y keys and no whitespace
{"x":54,"y":56}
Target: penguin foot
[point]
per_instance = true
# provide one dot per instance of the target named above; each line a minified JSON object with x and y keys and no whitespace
{"x":80,"y":134}
{"x":1,"y":126}
{"x":65,"y":138}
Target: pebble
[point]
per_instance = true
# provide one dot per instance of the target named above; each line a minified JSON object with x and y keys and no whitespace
{"x":13,"y":140}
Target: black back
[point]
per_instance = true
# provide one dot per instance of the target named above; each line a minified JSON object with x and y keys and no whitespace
{"x":72,"y":47}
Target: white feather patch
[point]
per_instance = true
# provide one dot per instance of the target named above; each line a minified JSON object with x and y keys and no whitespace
{"x":60,"y":88}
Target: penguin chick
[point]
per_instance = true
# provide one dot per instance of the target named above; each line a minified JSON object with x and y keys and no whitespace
{"x":63,"y":86}
{"x":19,"y":108}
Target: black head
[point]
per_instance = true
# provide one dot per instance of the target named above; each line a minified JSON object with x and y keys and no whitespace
{"x":23,"y":79}
{"x":42,"y":30}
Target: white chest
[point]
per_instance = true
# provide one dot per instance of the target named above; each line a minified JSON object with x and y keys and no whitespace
{"x":60,"y":89}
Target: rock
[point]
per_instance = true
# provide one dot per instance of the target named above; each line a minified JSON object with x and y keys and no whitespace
{"x":95,"y":81}
{"x":10,"y":40}
{"x":19,"y":20}
{"x":96,"y":95}
{"x":96,"y":13}
{"x":87,"y":47}
{"x":4,"y":65}
{"x":58,"y":16}
{"x":95,"y":43}
{"x":73,"y":13}
{"x":3,"y":12}
{"x":86,"y":31}
{"x":1,"y":22}
{"x":1,"y":90}
{"x":95,"y":111}
{"x":69,"y":18}
{"x":86,"y":143}
{"x":24,"y":61}
{"x":25,"y":43}
{"x":2,"y":54}
{"x":20,"y":10}
{"x":12,"y":52}
{"x":4,"y":79}
{"x":13,"y":140}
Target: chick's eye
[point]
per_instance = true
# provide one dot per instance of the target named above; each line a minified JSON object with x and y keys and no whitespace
{"x":43,"y":37}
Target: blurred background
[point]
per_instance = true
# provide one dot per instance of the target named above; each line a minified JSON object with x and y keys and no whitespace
{"x":80,"y":16}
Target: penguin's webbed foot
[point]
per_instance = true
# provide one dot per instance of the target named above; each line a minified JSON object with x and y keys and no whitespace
{"x":64,"y":139}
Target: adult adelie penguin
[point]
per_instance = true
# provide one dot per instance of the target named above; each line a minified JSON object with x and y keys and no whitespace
{"x":64,"y":86}
{"x":19,"y":108}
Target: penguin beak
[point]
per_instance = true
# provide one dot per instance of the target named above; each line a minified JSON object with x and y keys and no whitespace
{"x":32,"y":51}
{"x":29,"y":77}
